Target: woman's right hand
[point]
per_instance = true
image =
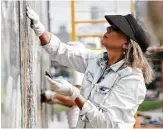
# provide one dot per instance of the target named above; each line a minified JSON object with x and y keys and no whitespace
{"x":36,"y":25}
{"x":32,"y":15}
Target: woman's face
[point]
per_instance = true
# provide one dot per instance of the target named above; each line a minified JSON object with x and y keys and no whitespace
{"x":113,"y":39}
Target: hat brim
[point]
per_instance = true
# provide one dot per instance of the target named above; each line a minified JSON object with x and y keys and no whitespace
{"x":122,"y":24}
{"x":130,"y":27}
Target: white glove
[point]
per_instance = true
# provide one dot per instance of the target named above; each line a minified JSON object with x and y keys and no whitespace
{"x":48,"y":96}
{"x":37,"y":26}
{"x":64,"y":87}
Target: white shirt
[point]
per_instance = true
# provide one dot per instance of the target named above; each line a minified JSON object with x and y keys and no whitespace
{"x":113,"y":101}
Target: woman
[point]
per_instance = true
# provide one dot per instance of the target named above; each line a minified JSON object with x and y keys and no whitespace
{"x":114,"y":81}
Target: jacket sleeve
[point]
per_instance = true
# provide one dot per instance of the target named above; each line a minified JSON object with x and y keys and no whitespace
{"x":119,"y":106}
{"x":67,"y":55}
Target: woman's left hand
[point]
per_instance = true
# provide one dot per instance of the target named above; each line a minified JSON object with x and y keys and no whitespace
{"x":63,"y":87}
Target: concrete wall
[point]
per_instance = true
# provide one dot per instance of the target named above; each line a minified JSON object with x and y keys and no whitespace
{"x":23,"y":65}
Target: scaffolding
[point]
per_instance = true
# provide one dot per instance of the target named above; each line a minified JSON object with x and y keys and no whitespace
{"x":74,"y":34}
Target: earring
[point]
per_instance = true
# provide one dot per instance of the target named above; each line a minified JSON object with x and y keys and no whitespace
{"x":124,"y":52}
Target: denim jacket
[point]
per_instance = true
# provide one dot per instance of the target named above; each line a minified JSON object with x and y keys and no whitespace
{"x":112,"y":102}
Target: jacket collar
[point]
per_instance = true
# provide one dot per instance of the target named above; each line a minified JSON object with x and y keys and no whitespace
{"x":115,"y":67}
{"x":102,"y":60}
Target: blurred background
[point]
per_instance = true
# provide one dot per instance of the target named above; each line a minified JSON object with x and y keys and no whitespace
{"x":24,"y":62}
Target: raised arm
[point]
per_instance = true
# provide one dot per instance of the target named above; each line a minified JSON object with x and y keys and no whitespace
{"x":64,"y":54}
{"x":45,"y":38}
{"x":37,"y":26}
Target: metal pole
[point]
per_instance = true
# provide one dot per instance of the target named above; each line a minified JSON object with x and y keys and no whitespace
{"x":90,"y":35}
{"x":49,"y":20}
{"x":90,"y":21}
{"x":132,"y":6}
{"x":73,"y":28}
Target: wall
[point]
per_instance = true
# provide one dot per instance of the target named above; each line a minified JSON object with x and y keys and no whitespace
{"x":23,"y":65}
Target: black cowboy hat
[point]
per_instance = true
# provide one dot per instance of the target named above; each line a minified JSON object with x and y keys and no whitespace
{"x":129,"y":26}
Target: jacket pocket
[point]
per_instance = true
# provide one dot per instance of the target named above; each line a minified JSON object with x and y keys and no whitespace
{"x":100,"y":93}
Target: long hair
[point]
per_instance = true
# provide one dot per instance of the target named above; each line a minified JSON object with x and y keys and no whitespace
{"x":135,"y":58}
